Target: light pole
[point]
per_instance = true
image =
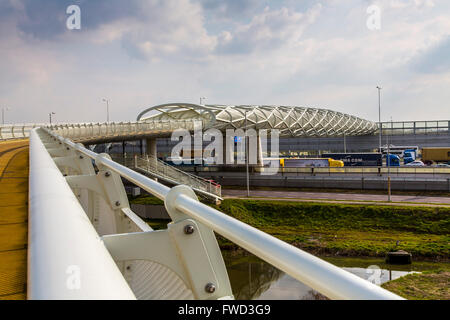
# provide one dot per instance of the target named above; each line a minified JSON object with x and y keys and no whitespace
{"x":50,"y":116}
{"x":379,"y":114}
{"x":3,"y":114}
{"x":107,"y":109}
{"x":345,"y":144}
{"x":388,"y":166}
{"x":246,"y":156}
{"x":202,"y":98}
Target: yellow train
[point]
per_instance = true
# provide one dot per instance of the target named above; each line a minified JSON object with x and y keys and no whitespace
{"x":310,"y":162}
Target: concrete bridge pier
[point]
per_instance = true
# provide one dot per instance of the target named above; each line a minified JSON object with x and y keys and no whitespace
{"x":151,"y":147}
{"x":228,"y":156}
{"x":260,"y":154}
{"x":151,"y":150}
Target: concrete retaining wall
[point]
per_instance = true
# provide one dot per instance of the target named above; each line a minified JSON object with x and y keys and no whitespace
{"x":359,"y":183}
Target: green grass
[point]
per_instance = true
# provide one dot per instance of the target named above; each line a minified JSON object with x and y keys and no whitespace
{"x":351,"y":191}
{"x":345,"y":229}
{"x":145,"y":199}
{"x":381,"y":202}
{"x":422,"y":286}
{"x":340,"y":229}
{"x":157,"y":224}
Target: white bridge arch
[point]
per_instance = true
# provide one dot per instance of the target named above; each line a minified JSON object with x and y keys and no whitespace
{"x":290,"y":120}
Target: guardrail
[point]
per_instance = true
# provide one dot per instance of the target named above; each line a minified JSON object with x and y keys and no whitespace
{"x":63,"y":244}
{"x":99,"y":130}
{"x":162,"y":170}
{"x":357,"y":170}
{"x":17,"y":131}
{"x":153,"y":164}
{"x":182,"y":205}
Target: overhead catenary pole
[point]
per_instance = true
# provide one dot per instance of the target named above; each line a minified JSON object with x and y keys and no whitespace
{"x":3,"y":114}
{"x":107,"y":109}
{"x":50,"y":116}
{"x":345,"y":144}
{"x":379,"y":115}
{"x":246,"y":156}
{"x":389,"y":166}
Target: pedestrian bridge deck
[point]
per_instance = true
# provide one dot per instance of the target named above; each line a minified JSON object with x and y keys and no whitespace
{"x":13,"y":218}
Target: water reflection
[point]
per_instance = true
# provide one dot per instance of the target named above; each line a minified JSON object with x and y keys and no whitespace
{"x":250,"y":277}
{"x":254,"y":279}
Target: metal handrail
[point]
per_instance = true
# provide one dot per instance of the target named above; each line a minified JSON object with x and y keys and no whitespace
{"x":53,"y":207}
{"x":320,"y":275}
{"x":153,"y":164}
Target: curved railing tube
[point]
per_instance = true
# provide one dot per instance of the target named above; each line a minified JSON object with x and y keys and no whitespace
{"x":320,"y":275}
{"x":66,"y":257}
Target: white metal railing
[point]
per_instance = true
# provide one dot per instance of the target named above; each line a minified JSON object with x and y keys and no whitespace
{"x":63,"y":244}
{"x":320,"y":275}
{"x":17,"y":131}
{"x":89,"y":131}
{"x":162,"y":170}
{"x":95,"y":131}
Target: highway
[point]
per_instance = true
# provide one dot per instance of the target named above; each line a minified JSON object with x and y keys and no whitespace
{"x":336,"y":197}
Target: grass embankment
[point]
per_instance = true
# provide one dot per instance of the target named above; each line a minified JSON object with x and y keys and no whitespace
{"x":341,"y":229}
{"x":347,"y":191}
{"x":352,"y":230}
{"x":422,"y":286}
{"x":145,"y":199}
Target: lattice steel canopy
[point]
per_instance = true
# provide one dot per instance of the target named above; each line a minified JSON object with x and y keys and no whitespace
{"x":290,"y":120}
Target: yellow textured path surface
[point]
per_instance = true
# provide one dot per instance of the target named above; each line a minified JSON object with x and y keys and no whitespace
{"x":13,"y":218}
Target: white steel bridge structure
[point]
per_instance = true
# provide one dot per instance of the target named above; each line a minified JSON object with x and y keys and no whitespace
{"x":86,"y":243}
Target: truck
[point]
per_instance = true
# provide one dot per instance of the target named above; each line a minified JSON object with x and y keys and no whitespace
{"x":409,"y":155}
{"x":430,"y":155}
{"x":398,"y":150}
{"x":394,"y":160}
{"x":362,"y":159}
{"x":310,"y":162}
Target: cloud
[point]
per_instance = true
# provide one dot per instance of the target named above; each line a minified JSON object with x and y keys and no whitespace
{"x":268,"y":30}
{"x":434,"y":60}
{"x":231,"y":9}
{"x":46,"y":19}
{"x":171,"y":27}
{"x":411,"y":3}
{"x":144,"y":52}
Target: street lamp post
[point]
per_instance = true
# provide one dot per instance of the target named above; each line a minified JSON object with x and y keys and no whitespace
{"x":345,"y":144}
{"x":50,"y":116}
{"x":388,"y":162}
{"x":246,"y":156}
{"x":389,"y":170}
{"x":379,"y":114}
{"x":107,"y":109}
{"x":3,"y":114}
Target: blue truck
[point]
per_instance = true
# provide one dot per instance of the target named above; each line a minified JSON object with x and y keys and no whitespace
{"x":409,"y":155}
{"x":394,"y":160}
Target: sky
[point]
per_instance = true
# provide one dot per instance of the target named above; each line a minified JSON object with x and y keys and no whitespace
{"x":140,"y":53}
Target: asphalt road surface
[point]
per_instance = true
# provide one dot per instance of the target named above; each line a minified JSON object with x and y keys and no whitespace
{"x":327,"y":196}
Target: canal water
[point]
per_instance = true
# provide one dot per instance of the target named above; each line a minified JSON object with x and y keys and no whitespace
{"x":253,"y":279}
